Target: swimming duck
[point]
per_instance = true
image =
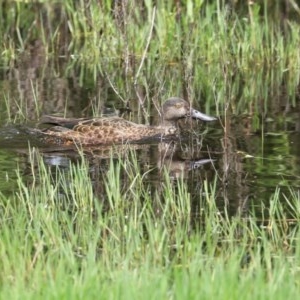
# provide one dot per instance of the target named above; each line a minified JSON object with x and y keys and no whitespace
{"x":116,"y":130}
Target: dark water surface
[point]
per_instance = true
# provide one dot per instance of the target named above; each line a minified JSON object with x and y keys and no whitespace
{"x":247,"y":156}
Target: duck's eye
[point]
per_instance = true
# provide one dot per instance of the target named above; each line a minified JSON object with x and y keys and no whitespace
{"x":178,"y":105}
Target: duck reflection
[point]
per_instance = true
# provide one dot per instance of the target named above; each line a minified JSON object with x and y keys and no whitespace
{"x":170,"y":157}
{"x":155,"y":159}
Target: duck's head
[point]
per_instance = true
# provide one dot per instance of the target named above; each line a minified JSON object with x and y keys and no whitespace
{"x":176,"y":108}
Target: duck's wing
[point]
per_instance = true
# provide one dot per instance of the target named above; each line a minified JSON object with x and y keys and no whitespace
{"x":109,"y":123}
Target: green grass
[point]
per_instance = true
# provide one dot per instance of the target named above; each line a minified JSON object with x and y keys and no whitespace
{"x":59,"y":239}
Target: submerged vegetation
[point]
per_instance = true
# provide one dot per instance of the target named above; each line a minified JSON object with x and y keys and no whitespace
{"x":103,"y":227}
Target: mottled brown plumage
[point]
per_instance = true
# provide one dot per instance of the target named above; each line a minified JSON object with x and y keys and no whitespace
{"x":116,"y":130}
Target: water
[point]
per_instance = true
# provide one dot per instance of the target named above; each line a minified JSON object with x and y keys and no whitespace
{"x":248,"y":156}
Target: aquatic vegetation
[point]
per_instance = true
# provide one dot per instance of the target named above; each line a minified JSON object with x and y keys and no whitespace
{"x":207,"y":52}
{"x":56,"y":228}
{"x":81,"y":225}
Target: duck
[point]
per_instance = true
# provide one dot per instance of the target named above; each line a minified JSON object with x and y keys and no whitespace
{"x":116,"y":130}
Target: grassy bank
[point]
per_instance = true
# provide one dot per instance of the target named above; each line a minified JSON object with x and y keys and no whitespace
{"x":58,"y":239}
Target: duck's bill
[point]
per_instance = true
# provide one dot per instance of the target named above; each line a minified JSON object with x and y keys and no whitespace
{"x":199,"y":115}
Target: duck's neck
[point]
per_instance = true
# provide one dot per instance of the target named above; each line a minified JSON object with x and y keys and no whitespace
{"x":169,"y":127}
